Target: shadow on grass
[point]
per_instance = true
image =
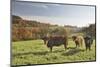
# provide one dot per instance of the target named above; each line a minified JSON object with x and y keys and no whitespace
{"x":37,"y":53}
{"x":73,"y":51}
{"x":34,"y":53}
{"x":57,"y":51}
{"x":71,"y":48}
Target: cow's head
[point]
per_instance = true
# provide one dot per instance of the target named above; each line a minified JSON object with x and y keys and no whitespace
{"x":45,"y":39}
{"x":74,"y":38}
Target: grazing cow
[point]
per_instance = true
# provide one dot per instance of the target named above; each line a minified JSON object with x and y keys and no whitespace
{"x":45,"y":39}
{"x":57,"y":41}
{"x":78,"y":40}
{"x":88,"y":42}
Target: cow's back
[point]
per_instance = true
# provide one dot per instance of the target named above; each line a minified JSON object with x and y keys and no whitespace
{"x":56,"y":41}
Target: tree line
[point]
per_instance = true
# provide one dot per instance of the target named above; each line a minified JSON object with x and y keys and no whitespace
{"x":28,"y":30}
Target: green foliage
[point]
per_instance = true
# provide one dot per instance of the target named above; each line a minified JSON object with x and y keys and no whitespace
{"x":35,"y":52}
{"x":91,"y":30}
{"x":57,"y":31}
{"x":28,"y":30}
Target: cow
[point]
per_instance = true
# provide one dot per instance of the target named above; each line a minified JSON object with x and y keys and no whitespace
{"x":45,"y":39}
{"x":57,"y":41}
{"x":88,"y":42}
{"x":78,"y":40}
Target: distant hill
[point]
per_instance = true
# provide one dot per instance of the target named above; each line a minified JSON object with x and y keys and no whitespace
{"x":16,"y":17}
{"x":23,"y":29}
{"x":19,"y":22}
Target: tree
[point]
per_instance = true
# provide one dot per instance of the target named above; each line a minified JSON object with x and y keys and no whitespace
{"x":91,"y":30}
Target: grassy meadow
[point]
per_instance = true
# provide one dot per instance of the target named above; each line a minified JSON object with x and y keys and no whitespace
{"x":36,"y":52}
{"x":31,"y":23}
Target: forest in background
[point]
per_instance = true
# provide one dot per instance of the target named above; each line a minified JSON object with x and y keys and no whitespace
{"x":29,"y":30}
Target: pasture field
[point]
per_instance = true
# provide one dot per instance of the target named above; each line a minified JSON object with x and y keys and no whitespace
{"x":36,"y":52}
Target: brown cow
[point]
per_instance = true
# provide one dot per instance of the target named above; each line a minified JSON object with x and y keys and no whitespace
{"x":78,"y":40}
{"x":57,"y":41}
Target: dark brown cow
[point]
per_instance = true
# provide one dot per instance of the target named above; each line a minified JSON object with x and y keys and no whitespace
{"x":57,"y":41}
{"x":78,"y":40}
{"x":45,"y":39}
{"x":88,"y":42}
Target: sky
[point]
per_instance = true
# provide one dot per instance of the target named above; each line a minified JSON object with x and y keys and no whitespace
{"x":61,"y":14}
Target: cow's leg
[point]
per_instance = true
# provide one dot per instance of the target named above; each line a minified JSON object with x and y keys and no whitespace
{"x":65,"y":46}
{"x":76,"y":45}
{"x":86,"y":47}
{"x":44,"y":41}
{"x":90,"y":47}
{"x":50,"y":49}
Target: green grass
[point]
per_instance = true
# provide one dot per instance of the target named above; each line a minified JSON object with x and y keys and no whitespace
{"x":35,"y":52}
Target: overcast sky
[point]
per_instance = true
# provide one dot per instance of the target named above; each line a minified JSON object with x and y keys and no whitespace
{"x":55,"y":13}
